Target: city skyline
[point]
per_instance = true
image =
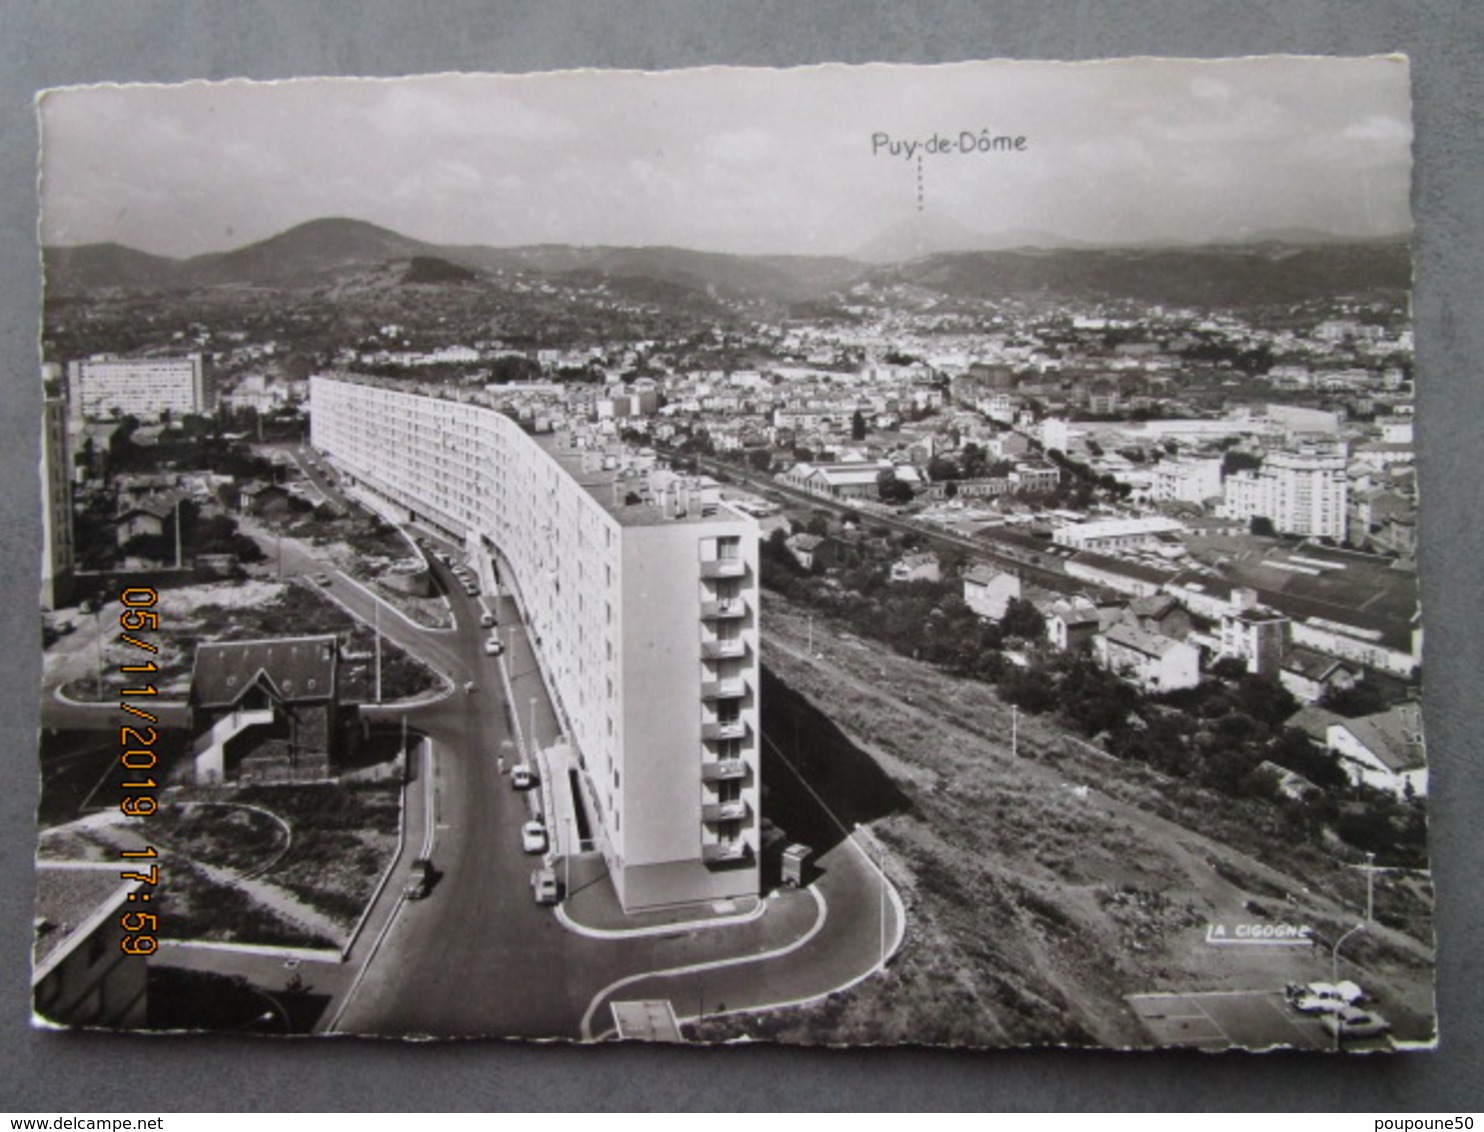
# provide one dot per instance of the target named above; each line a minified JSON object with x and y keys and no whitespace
{"x":749,"y":161}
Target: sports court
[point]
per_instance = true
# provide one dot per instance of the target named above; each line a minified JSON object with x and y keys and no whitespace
{"x":1224,"y":1019}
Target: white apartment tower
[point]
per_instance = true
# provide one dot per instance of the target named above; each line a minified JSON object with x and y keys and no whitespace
{"x":640,"y":592}
{"x":146,"y":388}
{"x":1186,"y":481}
{"x":1304,"y":492}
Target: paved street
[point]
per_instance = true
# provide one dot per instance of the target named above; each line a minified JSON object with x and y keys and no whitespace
{"x":478,"y":956}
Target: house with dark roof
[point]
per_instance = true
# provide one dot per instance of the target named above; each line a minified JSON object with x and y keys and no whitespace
{"x":1160,"y":613}
{"x":265,"y":710}
{"x":1383,"y":750}
{"x":1308,"y":674}
{"x":151,"y":516}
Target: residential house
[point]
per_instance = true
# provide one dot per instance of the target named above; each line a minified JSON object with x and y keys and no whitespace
{"x":1072,"y":623}
{"x":1384,"y":750}
{"x":920,"y":567}
{"x":265,"y":710}
{"x":1153,"y":662}
{"x":988,"y":592}
{"x":1309,"y":674}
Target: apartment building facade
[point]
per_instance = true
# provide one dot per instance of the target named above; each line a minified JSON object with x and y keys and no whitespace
{"x":1303,"y":492}
{"x":639,"y":588}
{"x":146,"y":388}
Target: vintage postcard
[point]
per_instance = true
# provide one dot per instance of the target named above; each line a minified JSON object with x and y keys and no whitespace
{"x":851,"y":555}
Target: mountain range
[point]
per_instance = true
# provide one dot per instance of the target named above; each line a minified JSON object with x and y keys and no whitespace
{"x":922,"y":252}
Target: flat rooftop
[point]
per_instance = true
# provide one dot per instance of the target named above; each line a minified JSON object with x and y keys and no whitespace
{"x":635,"y":494}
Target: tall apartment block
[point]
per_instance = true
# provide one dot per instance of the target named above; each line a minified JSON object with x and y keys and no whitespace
{"x":146,"y":388}
{"x":56,"y":505}
{"x":639,"y":588}
{"x":1303,"y":492}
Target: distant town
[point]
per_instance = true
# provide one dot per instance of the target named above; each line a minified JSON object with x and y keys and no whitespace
{"x":597,"y":642}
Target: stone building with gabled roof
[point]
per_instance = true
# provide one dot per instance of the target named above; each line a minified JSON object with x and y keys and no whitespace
{"x":265,"y":710}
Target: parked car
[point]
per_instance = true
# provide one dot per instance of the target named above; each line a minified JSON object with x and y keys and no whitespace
{"x":493,"y":647}
{"x":1324,"y":998}
{"x":1352,"y":1022}
{"x":487,"y":619}
{"x":420,"y":879}
{"x":522,"y":777}
{"x":533,"y":837}
{"x":322,"y":579}
{"x":544,"y":887}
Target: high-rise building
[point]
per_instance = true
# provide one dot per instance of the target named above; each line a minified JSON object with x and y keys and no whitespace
{"x":147,"y":388}
{"x":639,"y":589}
{"x":1186,"y":481}
{"x":56,"y":505}
{"x":1303,"y":492}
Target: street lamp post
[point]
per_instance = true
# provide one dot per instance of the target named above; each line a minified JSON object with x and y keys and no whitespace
{"x":1370,"y":887}
{"x":1334,"y":977}
{"x":1334,"y":953}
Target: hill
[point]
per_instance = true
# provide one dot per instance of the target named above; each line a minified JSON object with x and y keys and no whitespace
{"x":321,"y":251}
{"x":1217,"y":275}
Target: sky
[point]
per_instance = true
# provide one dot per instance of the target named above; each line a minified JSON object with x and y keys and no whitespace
{"x":742,"y":160}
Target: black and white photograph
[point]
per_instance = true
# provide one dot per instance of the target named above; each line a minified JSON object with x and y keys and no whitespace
{"x":837,"y":556}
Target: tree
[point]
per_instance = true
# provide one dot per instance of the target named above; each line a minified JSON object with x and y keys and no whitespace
{"x":950,"y":490}
{"x":942,"y":468}
{"x":1262,"y":526}
{"x":1362,"y":699}
{"x":857,"y":425}
{"x":1023,"y":620}
{"x":890,"y":489}
{"x":1234,"y":461}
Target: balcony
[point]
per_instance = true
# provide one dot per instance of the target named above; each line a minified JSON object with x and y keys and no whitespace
{"x":724,"y":648}
{"x":719,"y":730}
{"x":730,"y":853}
{"x":733,"y":689}
{"x":723,"y":770}
{"x":724,"y":568}
{"x":726,"y":609}
{"x":714,"y":812}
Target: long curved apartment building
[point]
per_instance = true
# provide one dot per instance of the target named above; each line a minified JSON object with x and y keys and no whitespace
{"x":639,"y":589}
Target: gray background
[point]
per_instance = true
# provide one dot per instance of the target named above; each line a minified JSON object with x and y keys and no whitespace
{"x":57,"y":42}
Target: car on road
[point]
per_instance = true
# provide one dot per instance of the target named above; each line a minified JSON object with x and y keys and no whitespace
{"x":322,"y":579}
{"x":487,"y":619}
{"x":533,"y":837}
{"x":445,"y":558}
{"x":544,"y":887}
{"x":1352,"y":1022}
{"x":522,"y":777}
{"x":419,"y":879}
{"x":493,"y":647}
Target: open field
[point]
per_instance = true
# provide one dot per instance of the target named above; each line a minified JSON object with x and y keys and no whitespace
{"x":1045,"y":885}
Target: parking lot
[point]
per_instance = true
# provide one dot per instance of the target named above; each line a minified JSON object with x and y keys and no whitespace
{"x":1225,"y":1019}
